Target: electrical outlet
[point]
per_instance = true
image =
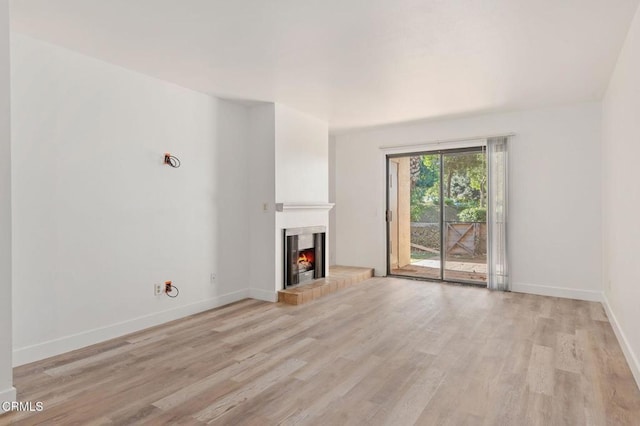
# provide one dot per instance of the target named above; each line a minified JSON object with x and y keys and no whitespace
{"x":157,"y":289}
{"x":212,"y":278}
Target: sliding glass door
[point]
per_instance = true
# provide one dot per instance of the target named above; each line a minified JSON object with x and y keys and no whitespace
{"x":436,"y":215}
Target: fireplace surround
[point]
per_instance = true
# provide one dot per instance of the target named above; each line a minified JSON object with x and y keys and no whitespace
{"x":304,"y":254}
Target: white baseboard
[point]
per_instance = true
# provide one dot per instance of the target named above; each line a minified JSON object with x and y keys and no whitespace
{"x":76,"y":341}
{"x":259,"y":294}
{"x":567,"y":293}
{"x":632,"y":359}
{"x":7,"y":395}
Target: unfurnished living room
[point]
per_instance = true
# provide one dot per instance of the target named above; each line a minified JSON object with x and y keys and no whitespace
{"x":305,"y":212}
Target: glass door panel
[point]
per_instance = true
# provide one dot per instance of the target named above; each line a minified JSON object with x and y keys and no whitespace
{"x":414,"y":216}
{"x":464,"y":222}
{"x":425,"y":215}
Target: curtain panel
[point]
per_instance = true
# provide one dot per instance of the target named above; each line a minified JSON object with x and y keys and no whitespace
{"x":497,"y":248}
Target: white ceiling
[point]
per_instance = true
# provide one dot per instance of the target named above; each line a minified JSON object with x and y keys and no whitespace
{"x":353,"y":63}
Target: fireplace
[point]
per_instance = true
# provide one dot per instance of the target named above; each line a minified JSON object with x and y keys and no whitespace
{"x":304,"y":254}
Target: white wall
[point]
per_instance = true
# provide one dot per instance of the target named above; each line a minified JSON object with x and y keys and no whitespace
{"x":7,"y":392}
{"x":302,"y":157}
{"x":555,"y":229}
{"x":98,"y":219}
{"x":261,"y":203}
{"x":621,"y":153}
{"x":332,"y":197}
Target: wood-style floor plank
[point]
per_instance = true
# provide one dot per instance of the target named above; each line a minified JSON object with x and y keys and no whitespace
{"x":386,"y":351}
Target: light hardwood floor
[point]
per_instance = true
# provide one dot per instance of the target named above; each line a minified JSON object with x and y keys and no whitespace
{"x":386,"y":351}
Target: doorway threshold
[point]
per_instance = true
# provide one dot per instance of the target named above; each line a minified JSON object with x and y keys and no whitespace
{"x":439,"y":281}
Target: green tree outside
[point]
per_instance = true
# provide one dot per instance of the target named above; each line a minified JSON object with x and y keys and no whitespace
{"x":465,"y":187}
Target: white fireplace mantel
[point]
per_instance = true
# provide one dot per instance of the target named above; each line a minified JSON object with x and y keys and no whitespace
{"x":282,"y":207}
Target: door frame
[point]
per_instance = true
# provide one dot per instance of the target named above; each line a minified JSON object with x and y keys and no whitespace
{"x":441,"y":153}
{"x":392,"y":221}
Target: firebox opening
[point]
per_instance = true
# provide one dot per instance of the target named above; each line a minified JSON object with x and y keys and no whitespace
{"x":306,"y":260}
{"x":304,"y":254}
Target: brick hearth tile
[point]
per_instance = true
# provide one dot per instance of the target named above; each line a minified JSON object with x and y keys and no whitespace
{"x":317,"y":292}
{"x":340,"y":277}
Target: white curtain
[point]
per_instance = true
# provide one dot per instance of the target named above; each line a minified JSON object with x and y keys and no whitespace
{"x":497,"y":259}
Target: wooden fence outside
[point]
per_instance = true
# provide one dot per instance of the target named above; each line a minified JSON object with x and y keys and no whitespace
{"x":468,"y":238}
{"x":462,"y":238}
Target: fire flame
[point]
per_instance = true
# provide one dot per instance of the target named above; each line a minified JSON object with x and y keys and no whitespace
{"x":305,"y":260}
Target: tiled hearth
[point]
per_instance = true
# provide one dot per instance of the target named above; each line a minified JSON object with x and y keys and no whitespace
{"x":339,"y":277}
